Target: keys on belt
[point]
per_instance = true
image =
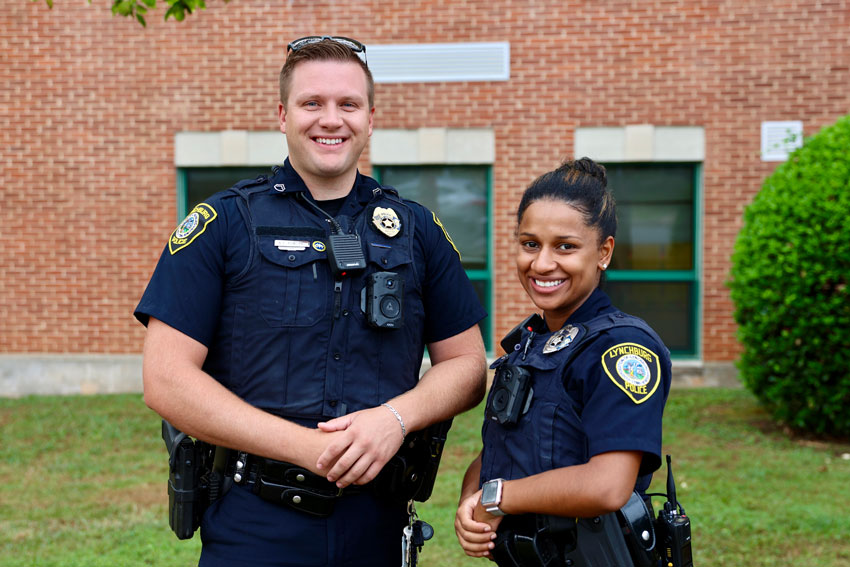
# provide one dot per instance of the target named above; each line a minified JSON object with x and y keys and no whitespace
{"x":413,"y":537}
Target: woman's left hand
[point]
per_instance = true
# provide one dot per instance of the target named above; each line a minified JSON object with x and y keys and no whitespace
{"x":475,"y":527}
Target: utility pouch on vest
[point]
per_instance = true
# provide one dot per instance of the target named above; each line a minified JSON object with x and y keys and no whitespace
{"x":411,"y":472}
{"x":189,"y":462}
{"x":510,"y":394}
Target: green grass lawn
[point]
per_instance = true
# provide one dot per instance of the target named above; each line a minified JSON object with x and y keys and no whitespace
{"x":83,"y":484}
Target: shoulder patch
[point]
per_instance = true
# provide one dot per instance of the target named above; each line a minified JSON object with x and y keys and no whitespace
{"x":635,"y":369}
{"x":445,"y":232}
{"x":192,"y":226}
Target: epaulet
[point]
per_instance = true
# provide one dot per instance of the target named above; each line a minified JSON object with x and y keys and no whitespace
{"x":376,"y":188}
{"x":248,"y":186}
{"x":616,"y":319}
{"x":390,"y":191}
{"x":620,"y":319}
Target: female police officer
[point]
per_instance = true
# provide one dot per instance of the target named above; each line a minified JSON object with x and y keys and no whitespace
{"x":573,"y":419}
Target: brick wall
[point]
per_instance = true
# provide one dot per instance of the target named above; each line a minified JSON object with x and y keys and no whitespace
{"x":90,"y":104}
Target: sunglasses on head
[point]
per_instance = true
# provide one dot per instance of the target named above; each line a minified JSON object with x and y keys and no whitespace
{"x":351,"y":44}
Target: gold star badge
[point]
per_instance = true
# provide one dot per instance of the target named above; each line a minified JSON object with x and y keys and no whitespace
{"x":386,"y":221}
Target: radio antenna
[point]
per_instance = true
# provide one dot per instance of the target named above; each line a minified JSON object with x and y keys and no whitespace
{"x":672,"y":505}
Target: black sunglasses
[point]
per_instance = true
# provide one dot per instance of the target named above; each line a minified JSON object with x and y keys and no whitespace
{"x":351,"y":44}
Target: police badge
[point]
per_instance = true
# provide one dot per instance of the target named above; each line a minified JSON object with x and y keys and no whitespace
{"x":386,"y":221}
{"x":560,"y":340}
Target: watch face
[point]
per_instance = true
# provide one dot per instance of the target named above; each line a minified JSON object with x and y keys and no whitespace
{"x":489,"y":492}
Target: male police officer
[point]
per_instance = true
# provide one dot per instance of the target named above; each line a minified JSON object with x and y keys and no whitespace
{"x":260,"y":339}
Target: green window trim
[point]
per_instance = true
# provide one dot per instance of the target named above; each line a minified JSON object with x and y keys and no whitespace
{"x":650,"y":275}
{"x":182,"y":190}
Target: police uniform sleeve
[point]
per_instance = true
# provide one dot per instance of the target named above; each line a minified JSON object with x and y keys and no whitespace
{"x":627,"y":379}
{"x":450,"y":302}
{"x":186,"y":287}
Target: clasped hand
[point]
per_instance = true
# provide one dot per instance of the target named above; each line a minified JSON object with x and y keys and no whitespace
{"x":368,"y":440}
{"x":475,"y":527}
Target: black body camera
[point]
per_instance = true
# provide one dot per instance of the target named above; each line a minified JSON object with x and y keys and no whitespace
{"x":510,"y":394}
{"x":381,"y":300}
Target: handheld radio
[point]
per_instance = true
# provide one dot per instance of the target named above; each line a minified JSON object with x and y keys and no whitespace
{"x":674,"y":528}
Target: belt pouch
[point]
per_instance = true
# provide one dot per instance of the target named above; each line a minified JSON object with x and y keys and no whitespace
{"x":288,"y":485}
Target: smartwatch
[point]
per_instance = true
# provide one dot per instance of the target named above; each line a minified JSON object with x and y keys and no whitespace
{"x":491,"y":496}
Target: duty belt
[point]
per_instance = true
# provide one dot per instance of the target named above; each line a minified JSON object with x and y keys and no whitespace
{"x":408,"y":475}
{"x":287,"y":484}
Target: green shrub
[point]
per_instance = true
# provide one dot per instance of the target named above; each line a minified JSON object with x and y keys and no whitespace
{"x":790,"y":270}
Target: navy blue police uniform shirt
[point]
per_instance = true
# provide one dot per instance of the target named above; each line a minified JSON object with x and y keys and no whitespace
{"x":247,"y":275}
{"x":609,"y":396}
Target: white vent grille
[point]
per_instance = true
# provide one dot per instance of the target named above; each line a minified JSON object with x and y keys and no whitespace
{"x":778,"y":139}
{"x":434,"y":62}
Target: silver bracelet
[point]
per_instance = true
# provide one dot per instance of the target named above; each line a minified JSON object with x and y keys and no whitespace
{"x":398,"y":417}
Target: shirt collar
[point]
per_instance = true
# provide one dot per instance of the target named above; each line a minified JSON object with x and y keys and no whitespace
{"x":286,"y":180}
{"x":596,"y":304}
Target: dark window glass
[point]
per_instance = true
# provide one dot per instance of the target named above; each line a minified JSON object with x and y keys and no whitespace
{"x":655,"y":210}
{"x":668,"y":307}
{"x":457,"y":194}
{"x":201,"y":182}
{"x":653,"y":272}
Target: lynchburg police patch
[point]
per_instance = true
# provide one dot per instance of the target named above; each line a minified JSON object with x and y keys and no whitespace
{"x":191,"y":227}
{"x":635,"y":369}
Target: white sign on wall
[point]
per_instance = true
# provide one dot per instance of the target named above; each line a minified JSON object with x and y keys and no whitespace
{"x":778,"y":139}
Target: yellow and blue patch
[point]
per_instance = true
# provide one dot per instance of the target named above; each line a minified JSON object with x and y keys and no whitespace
{"x":192,"y":227}
{"x":635,"y":369}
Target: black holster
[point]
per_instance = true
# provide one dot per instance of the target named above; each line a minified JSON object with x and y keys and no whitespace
{"x":534,"y":540}
{"x":193,"y":484}
{"x":538,"y":540}
{"x":410,"y":474}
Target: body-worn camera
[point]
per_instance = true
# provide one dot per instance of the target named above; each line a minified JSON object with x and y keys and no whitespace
{"x":510,"y":394}
{"x":381,"y":300}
